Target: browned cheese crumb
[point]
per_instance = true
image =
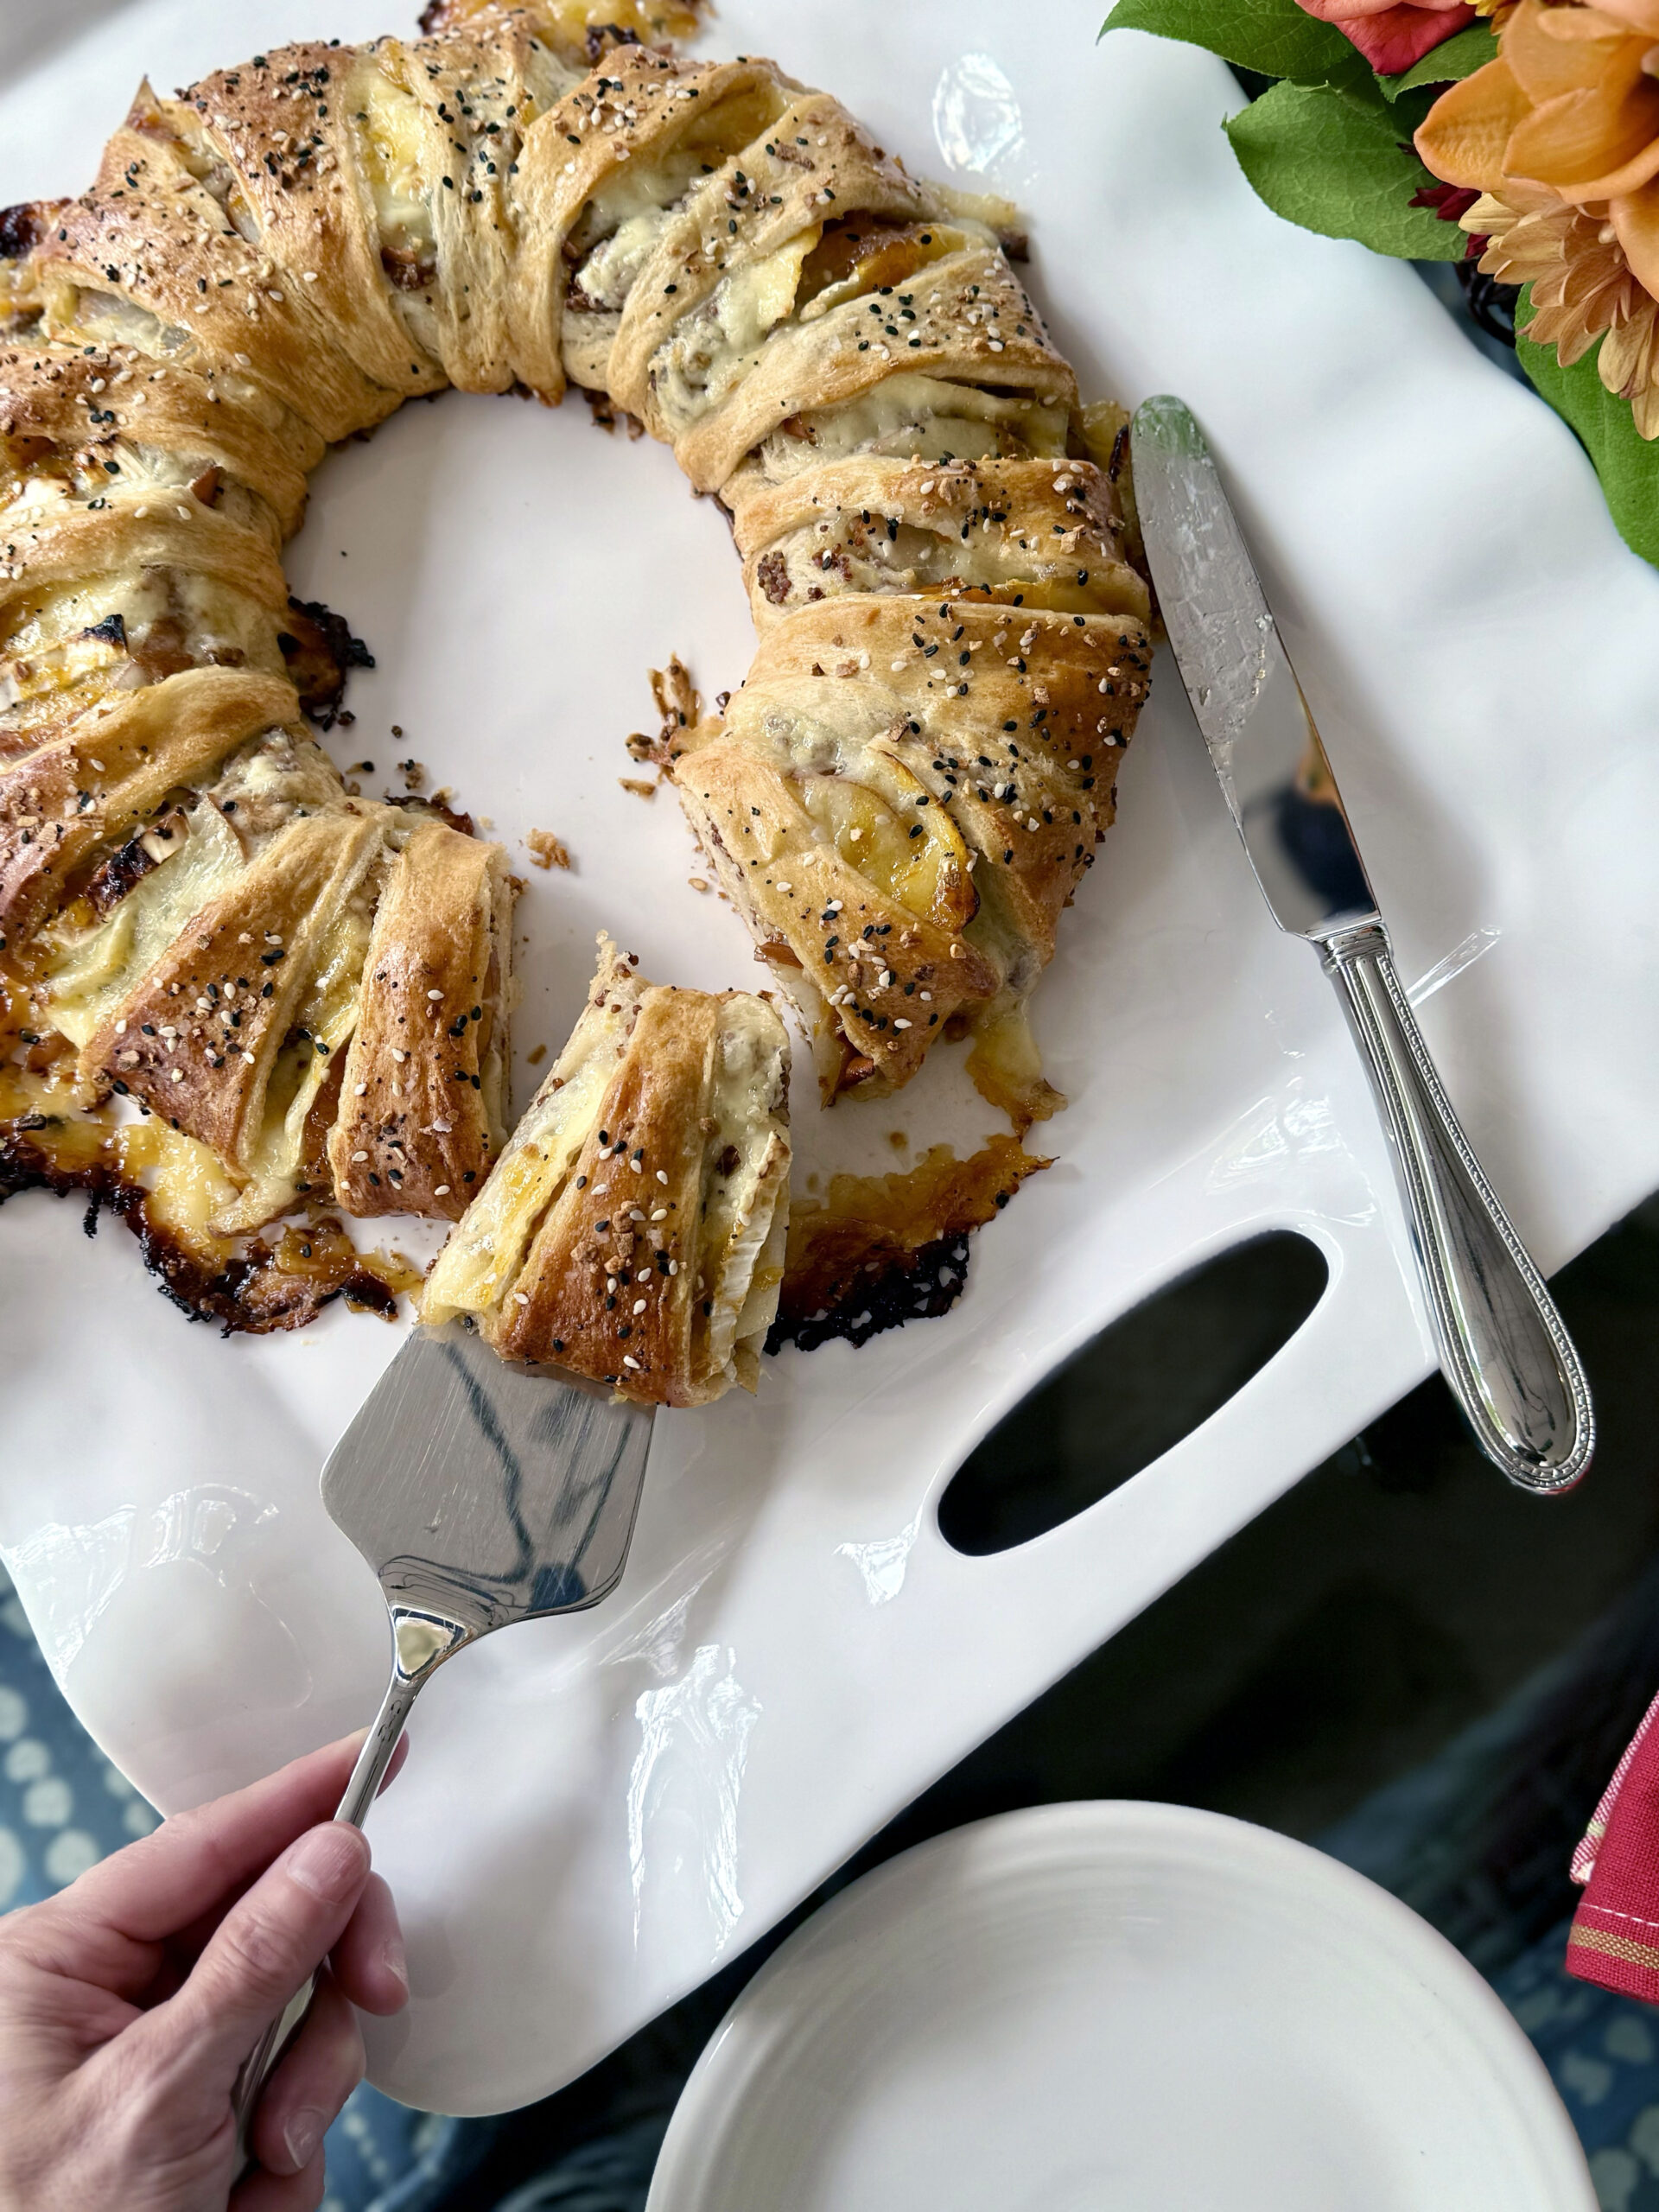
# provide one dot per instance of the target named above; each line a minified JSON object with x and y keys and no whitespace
{"x":546,"y":850}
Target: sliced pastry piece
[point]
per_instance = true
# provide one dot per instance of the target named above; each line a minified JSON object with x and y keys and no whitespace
{"x":633,"y":1229}
{"x":424,"y":1102}
{"x":900,"y":802}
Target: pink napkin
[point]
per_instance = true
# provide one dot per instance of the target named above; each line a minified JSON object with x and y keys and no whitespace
{"x":1615,"y":1937}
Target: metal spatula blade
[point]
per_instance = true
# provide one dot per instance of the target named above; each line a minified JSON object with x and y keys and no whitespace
{"x":480,"y":1494}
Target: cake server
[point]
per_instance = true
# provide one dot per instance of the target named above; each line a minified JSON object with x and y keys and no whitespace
{"x":1502,"y":1343}
{"x":480,"y":1494}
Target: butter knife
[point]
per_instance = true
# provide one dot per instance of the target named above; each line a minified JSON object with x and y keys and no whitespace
{"x":481,"y":1494}
{"x":1502,"y":1343}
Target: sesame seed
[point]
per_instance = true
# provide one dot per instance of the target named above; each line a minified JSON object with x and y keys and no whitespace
{"x":628,"y":1360}
{"x":360,"y":1155}
{"x":661,"y":1177}
{"x":639,"y":1305}
{"x":440,"y":1190}
{"x":435,"y":995}
{"x":359,"y":1089}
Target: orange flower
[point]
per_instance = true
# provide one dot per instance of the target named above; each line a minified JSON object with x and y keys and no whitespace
{"x":1561,"y":134}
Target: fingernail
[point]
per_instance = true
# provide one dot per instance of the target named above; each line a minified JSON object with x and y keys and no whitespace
{"x":396,"y":1961}
{"x":302,"y":2133}
{"x":330,"y":1861}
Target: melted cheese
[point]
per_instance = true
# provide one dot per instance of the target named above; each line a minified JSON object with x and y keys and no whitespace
{"x":92,"y":973}
{"x":910,"y":414}
{"x":322,"y":1026}
{"x":927,"y":874}
{"x":487,"y":1246}
{"x":741,"y":1209}
{"x":715,"y":347}
{"x":653,"y":189}
{"x":392,"y":137}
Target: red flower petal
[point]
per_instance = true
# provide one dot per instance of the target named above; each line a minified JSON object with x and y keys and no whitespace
{"x":1396,"y":38}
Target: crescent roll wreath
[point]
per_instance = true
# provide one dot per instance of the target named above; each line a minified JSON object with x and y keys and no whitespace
{"x":306,"y":994}
{"x":633,"y":1228}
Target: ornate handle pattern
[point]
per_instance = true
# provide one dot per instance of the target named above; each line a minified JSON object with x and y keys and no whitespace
{"x":1504,"y":1348}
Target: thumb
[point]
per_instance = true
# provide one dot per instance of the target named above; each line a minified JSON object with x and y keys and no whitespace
{"x":260,"y":1953}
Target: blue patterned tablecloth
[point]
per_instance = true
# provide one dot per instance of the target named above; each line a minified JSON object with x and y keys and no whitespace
{"x":63,"y":1807}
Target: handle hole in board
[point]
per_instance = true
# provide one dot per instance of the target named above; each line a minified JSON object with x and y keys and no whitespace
{"x":1146,"y":1382}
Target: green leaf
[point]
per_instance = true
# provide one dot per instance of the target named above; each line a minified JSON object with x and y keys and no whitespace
{"x":1272,"y":37}
{"x":1336,"y":164}
{"x":1627,"y":464}
{"x":1448,"y":64}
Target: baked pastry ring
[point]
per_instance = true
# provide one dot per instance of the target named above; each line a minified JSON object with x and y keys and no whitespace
{"x":899,"y":800}
{"x":633,"y":1229}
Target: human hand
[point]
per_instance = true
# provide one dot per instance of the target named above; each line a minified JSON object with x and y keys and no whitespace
{"x":128,"y":2001}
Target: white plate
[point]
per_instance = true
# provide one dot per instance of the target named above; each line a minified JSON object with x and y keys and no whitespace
{"x":601,"y":1809}
{"x":1118,"y":2008}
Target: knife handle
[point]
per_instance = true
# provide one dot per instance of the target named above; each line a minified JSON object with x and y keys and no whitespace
{"x":1503,"y":1345}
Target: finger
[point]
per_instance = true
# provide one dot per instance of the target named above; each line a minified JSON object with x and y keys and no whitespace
{"x":181,"y":1870}
{"x":191,"y":1937}
{"x":318,"y":2072}
{"x":262,"y":1951}
{"x":265,"y":2192}
{"x":368,"y":1961}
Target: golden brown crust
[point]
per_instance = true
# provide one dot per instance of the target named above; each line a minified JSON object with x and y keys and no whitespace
{"x":1001,"y":725}
{"x":198,"y":1038}
{"x":285,"y":131}
{"x":633,"y":1229}
{"x":1049,"y":533}
{"x":896,"y":976}
{"x":810,"y":161}
{"x":416,"y":1132}
{"x":868,"y":1229}
{"x":146,"y":533}
{"x":600,"y":1254}
{"x":958,"y":303}
{"x":583,"y":30}
{"x":83,"y":791}
{"x":638,"y":106}
{"x":60,"y":407}
{"x":900,"y":799}
{"x":150,"y":235}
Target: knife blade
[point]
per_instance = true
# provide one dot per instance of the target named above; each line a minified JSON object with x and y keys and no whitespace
{"x":1502,"y":1343}
{"x":1269,"y":756}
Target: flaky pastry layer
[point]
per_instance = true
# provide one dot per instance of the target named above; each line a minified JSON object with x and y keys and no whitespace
{"x":633,"y":1229}
{"x":899,"y":800}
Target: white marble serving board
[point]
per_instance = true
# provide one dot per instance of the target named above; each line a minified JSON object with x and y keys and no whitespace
{"x":598,"y":1810}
